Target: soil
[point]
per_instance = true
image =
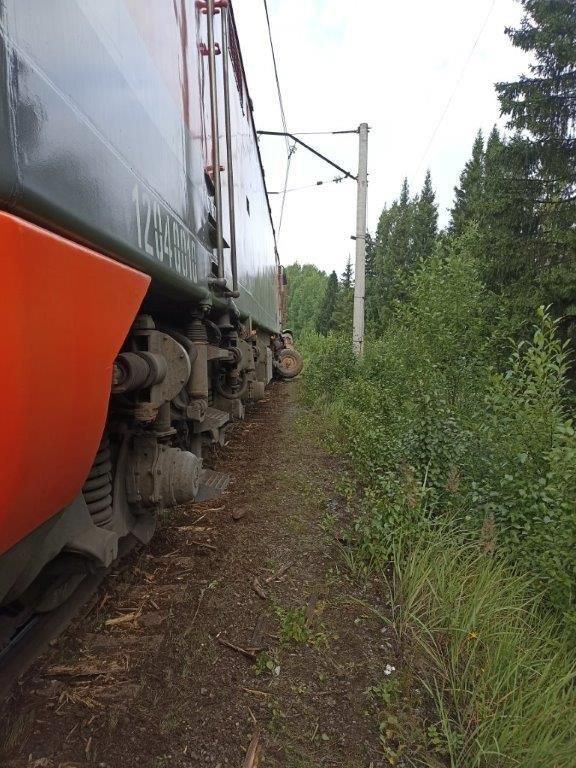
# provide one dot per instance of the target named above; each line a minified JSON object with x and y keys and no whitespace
{"x":239,"y":625}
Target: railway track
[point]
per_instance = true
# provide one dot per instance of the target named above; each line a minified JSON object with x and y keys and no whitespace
{"x":33,"y":632}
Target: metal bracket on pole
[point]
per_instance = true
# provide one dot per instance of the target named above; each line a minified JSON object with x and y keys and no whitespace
{"x":311,"y":149}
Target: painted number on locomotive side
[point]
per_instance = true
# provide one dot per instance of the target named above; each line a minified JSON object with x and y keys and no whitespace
{"x":162,"y":237}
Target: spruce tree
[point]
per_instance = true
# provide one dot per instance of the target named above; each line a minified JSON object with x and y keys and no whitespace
{"x":508,"y":224}
{"x":394,"y":255}
{"x":342,"y":316}
{"x":371,"y":294}
{"x":324,"y":323}
{"x":400,"y":251}
{"x":468,"y":195}
{"x":541,"y":157}
{"x":347,"y":274}
{"x":542,"y":105}
{"x":424,"y":221}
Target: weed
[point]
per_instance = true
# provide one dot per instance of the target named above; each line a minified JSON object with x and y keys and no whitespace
{"x":277,"y":724}
{"x":328,"y":522}
{"x":294,"y":627}
{"x":387,"y":693}
{"x":267,"y":663}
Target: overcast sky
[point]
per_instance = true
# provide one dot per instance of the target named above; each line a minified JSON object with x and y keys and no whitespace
{"x":392,"y":64}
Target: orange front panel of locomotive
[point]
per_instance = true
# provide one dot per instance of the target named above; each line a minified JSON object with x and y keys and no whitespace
{"x":64,"y":314}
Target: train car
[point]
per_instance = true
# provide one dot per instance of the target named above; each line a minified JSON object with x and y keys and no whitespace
{"x":141,"y":288}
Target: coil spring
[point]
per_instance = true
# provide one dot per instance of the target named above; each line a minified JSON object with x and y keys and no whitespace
{"x":196,"y":330}
{"x":97,"y":489}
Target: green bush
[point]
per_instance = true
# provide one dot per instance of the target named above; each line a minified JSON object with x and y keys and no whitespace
{"x":432,"y":428}
{"x":525,"y":475}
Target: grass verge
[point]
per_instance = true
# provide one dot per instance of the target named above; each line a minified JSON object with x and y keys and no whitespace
{"x":483,"y":680}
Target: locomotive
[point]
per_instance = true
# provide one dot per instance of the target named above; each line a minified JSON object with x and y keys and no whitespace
{"x":141,"y":291}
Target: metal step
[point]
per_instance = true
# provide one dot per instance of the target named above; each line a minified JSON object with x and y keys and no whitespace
{"x":212,"y":484}
{"x":214,"y":422}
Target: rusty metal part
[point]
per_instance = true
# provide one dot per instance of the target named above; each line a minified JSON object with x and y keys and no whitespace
{"x":218,"y":353}
{"x":289,"y":363}
{"x":232,"y":385}
{"x":197,"y":410}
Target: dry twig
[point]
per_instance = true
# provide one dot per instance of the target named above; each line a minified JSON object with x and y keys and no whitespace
{"x":250,"y":653}
{"x":280,"y":572}
{"x":253,"y":754}
{"x":257,"y":587}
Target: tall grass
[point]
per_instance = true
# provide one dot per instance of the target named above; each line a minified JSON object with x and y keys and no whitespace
{"x":498,"y":677}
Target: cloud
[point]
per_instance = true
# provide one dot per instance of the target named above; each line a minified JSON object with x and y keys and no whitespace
{"x":391,"y":64}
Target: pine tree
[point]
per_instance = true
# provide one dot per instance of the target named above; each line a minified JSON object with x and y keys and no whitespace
{"x":324,"y":323}
{"x":468,"y":195}
{"x":424,"y":222}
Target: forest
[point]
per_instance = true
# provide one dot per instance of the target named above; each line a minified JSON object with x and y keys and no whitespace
{"x":457,"y":426}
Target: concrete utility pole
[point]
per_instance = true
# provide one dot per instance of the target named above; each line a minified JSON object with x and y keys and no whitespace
{"x":360,"y":267}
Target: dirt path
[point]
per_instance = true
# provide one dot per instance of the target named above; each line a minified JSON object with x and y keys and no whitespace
{"x":147,"y":678}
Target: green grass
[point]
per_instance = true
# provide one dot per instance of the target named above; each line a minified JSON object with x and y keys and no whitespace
{"x":499,"y":682}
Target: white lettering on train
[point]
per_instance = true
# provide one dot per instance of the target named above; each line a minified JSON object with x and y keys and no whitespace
{"x":161,"y":236}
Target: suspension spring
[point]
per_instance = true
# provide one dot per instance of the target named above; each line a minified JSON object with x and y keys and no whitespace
{"x":97,"y":489}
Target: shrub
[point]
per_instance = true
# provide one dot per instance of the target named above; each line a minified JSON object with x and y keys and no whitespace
{"x":432,"y":428}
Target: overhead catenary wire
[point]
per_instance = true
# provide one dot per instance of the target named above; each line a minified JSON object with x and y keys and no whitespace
{"x":290,"y":149}
{"x":318,"y":183}
{"x":455,"y":88}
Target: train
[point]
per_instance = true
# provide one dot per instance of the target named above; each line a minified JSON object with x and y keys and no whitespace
{"x":141,"y":298}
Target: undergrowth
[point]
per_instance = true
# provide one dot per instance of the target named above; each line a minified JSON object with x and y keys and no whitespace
{"x":447,"y":426}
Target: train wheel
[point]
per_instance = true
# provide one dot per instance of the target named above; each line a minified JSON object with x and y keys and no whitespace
{"x":289,"y":364}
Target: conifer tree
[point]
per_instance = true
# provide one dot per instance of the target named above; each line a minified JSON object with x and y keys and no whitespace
{"x":324,"y":323}
{"x":371,"y":296}
{"x":541,"y":105}
{"x":399,"y":245}
{"x":541,"y":156}
{"x":394,"y":256}
{"x":347,"y":274}
{"x":468,"y":194}
{"x":342,"y":317}
{"x":424,"y":222}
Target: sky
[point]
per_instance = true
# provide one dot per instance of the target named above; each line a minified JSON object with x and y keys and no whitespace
{"x":414,"y":71}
